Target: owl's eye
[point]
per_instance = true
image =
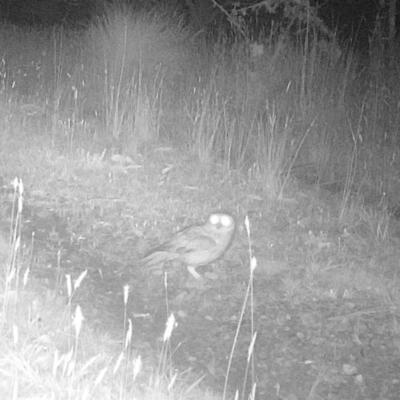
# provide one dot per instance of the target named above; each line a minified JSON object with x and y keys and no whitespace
{"x":226,"y":220}
{"x":214,"y":219}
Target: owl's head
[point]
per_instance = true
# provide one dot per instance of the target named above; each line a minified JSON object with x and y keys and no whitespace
{"x":222,"y":221}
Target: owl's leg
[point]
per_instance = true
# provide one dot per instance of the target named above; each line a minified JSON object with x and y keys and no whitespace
{"x":194,"y":273}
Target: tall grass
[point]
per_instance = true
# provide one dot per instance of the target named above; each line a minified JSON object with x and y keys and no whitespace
{"x":123,"y":86}
{"x":142,"y":78}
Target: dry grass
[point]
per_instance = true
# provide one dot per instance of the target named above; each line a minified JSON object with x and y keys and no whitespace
{"x":124,"y":133}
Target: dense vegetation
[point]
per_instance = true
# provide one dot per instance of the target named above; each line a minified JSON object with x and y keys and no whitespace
{"x":119,"y":130}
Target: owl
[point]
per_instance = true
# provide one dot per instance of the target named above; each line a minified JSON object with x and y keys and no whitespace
{"x":196,"y":245}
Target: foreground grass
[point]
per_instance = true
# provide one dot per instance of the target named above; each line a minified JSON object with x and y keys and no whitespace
{"x":114,"y":159}
{"x":323,"y":290}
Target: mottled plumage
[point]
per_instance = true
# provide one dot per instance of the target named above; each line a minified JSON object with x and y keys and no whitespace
{"x":195,"y":245}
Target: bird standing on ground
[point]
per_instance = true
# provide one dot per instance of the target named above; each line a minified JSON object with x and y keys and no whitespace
{"x":196,"y":245}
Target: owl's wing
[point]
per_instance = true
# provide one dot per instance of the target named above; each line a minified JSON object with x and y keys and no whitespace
{"x":195,"y":239}
{"x":156,"y":257}
{"x":189,"y":242}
